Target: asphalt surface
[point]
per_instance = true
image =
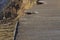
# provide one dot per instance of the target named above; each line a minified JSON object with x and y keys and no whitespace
{"x":44,"y":25}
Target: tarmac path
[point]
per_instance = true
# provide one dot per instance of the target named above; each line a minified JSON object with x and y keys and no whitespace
{"x":42,"y":26}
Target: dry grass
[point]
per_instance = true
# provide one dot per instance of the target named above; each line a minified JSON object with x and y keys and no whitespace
{"x":7,"y":30}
